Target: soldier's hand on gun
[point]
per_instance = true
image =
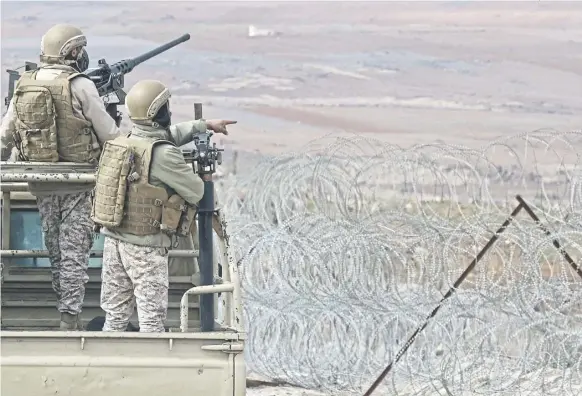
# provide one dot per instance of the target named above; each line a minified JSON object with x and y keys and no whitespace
{"x":219,"y":126}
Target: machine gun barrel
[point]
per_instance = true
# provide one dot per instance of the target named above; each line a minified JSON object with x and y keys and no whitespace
{"x":126,"y":66}
{"x":107,"y":79}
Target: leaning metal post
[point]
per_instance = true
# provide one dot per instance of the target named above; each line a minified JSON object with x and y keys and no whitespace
{"x":454,"y":288}
{"x":206,"y":246}
{"x":555,"y":242}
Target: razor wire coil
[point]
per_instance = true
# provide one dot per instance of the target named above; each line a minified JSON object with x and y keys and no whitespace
{"x":354,"y":242}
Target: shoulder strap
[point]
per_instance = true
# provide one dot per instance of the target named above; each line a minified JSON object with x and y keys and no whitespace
{"x":28,"y":75}
{"x":155,"y":144}
{"x":162,"y":141}
{"x":72,"y":76}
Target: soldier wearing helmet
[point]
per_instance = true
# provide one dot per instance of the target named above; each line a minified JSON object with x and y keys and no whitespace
{"x":56,"y":114}
{"x":145,"y":195}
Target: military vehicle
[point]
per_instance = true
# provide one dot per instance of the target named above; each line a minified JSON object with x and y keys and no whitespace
{"x":201,"y":353}
{"x":38,"y":360}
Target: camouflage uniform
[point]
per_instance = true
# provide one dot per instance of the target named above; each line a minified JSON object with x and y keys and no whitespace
{"x":68,"y":233}
{"x":128,"y":258}
{"x":134,"y":274}
{"x":144,"y":190}
{"x":56,"y":115}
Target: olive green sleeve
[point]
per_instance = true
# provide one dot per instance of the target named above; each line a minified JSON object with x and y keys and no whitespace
{"x":169,"y":168}
{"x":182,"y":132}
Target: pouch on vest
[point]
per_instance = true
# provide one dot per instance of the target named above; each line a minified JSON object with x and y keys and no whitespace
{"x":36,"y":128}
{"x":111,"y":184}
{"x":172,"y":212}
{"x":186,"y":221}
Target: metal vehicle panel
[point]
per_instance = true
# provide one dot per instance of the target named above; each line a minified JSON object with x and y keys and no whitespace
{"x":39,"y":361}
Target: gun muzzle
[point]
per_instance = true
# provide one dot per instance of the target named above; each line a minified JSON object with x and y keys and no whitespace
{"x":126,"y":66}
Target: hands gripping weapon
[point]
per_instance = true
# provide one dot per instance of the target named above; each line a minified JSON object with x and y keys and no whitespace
{"x":109,"y":79}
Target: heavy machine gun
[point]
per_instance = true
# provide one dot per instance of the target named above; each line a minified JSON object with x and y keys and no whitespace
{"x":109,"y":79}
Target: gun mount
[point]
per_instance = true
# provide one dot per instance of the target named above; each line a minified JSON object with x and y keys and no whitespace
{"x":205,"y":156}
{"x":109,"y":79}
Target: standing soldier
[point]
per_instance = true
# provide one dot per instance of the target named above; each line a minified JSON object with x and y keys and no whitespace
{"x":56,"y":114}
{"x":144,"y":186}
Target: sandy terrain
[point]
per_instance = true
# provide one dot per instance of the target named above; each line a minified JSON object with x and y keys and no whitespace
{"x":406,"y":72}
{"x":402,"y":72}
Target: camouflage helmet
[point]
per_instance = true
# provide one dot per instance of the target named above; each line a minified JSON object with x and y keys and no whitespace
{"x":59,"y":41}
{"x":145,"y":99}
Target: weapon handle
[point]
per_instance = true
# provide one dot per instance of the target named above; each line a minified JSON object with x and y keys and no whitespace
{"x":112,"y":111}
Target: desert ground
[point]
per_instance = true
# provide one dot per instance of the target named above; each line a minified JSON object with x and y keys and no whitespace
{"x":405,"y":72}
{"x":462,"y":72}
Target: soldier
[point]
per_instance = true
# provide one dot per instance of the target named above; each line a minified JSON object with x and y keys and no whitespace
{"x":143,"y":188}
{"x":56,"y":114}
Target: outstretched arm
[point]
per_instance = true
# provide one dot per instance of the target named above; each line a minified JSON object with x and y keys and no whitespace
{"x":183,"y":132}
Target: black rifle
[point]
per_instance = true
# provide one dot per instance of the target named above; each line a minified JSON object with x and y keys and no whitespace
{"x":108,"y":79}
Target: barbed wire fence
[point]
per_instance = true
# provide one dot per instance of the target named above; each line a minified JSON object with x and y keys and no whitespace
{"x":346,"y":247}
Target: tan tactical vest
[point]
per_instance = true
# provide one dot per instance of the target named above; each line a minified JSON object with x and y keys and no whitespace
{"x":46,"y":130}
{"x":125,"y":201}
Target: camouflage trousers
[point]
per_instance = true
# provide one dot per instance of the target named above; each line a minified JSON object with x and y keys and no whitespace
{"x":134,"y":275}
{"x":68,"y":236}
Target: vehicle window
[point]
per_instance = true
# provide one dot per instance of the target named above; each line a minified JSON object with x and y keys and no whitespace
{"x":26,"y":234}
